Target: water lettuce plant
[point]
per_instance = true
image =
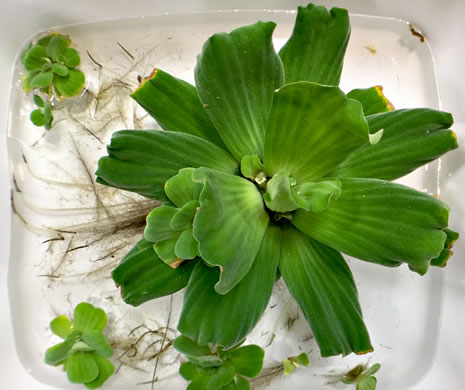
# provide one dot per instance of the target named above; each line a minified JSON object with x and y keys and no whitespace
{"x":362,"y":377}
{"x":84,"y":352}
{"x":266,"y":168}
{"x":42,"y":115}
{"x":293,"y":362}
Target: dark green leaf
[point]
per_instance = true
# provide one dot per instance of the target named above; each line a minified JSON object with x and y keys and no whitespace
{"x":315,"y":196}
{"x":181,"y":189}
{"x":48,"y":112}
{"x":42,"y":79}
{"x":236,"y":75}
{"x":143,"y":276}
{"x":61,"y":326}
{"x":88,"y":318}
{"x":183,"y":219}
{"x":57,"y":45}
{"x":411,"y":138}
{"x":165,"y":250}
{"x":96,"y":340}
{"x":240,"y":384}
{"x":315,"y":51}
{"x":278,"y":196}
{"x":367,"y":383}
{"x":321,"y":283}
{"x":223,"y":375}
{"x":188,"y":371}
{"x":38,"y":101}
{"x":176,"y":106}
{"x":71,"y":58}
{"x":142,"y":161}
{"x":199,"y":382}
{"x":199,"y":355}
{"x":60,"y":70}
{"x":38,"y":118}
{"x":310,"y":117}
{"x":81,"y":367}
{"x":56,"y":354}
{"x":248,"y":360}
{"x":372,"y":99}
{"x":210,"y":318}
{"x":35,"y":58}
{"x":229,"y":225}
{"x":158,"y":223}
{"x":380,"y":222}
{"x":106,"y":370}
{"x":187,"y":246}
{"x":70,"y":85}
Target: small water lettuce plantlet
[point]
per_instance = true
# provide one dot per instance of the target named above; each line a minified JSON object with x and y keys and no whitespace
{"x":266,"y":166}
{"x":293,"y":362}
{"x":220,"y":369}
{"x":42,"y":115}
{"x":362,"y":376}
{"x":84,"y":351}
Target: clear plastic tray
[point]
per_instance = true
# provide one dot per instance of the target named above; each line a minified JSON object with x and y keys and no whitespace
{"x":68,"y":233}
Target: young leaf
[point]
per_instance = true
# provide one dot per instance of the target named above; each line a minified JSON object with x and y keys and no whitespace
{"x":184,"y":218}
{"x":60,"y":70}
{"x":61,"y":326}
{"x":315,"y":51}
{"x":81,"y":367}
{"x":71,"y":84}
{"x":57,"y":45}
{"x":106,"y":370}
{"x":96,"y":340}
{"x":48,"y":112}
{"x":56,"y":354}
{"x":35,"y":58}
{"x":288,"y":366}
{"x":158,"y":227}
{"x":187,"y":246}
{"x":38,"y":101}
{"x":210,"y":318}
{"x":229,"y":225}
{"x":295,"y":127}
{"x":278,"y":196}
{"x":367,"y":383}
{"x":236,"y":75}
{"x":380,"y":222}
{"x":38,"y":118}
{"x":321,"y":283}
{"x":142,"y":161}
{"x":176,"y":106}
{"x":181,"y":189}
{"x":302,"y":359}
{"x":252,"y":168}
{"x":165,"y":250}
{"x":248,"y":360}
{"x":143,"y":276}
{"x":315,"y":196}
{"x":372,"y":99}
{"x":71,"y":58}
{"x":89,"y":318}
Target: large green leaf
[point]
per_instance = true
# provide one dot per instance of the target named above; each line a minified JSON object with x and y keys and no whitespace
{"x":106,"y":369}
{"x":143,"y":276}
{"x":411,"y":138}
{"x":248,"y":360}
{"x":210,"y":318}
{"x":229,"y":225}
{"x":88,"y":318}
{"x":34,"y":58}
{"x":81,"y":367}
{"x":236,"y":75}
{"x":322,"y":284}
{"x":176,"y":106}
{"x":372,"y":99}
{"x":61,"y":326}
{"x":142,"y":161}
{"x":315,"y":51}
{"x":312,"y":128}
{"x":59,"y":352}
{"x":71,"y":84}
{"x":380,"y":222}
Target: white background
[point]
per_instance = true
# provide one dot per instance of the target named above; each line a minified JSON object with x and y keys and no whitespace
{"x":442,"y":23}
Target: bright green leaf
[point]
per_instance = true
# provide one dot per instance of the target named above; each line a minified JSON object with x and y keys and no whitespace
{"x":367,"y":383}
{"x":27,"y":80}
{"x":223,"y":375}
{"x":88,"y":318}
{"x":57,"y":45}
{"x":236,"y":75}
{"x":60,"y":70}
{"x":59,"y":352}
{"x":38,"y":101}
{"x":315,"y":51}
{"x":71,"y":58}
{"x":252,"y":168}
{"x":106,"y":370}
{"x":248,"y":360}
{"x":210,"y":318}
{"x":142,"y":161}
{"x":35,"y":58}
{"x":70,"y":85}
{"x":188,"y":371}
{"x":42,"y":79}
{"x":288,"y":366}
{"x":302,"y":359}
{"x":372,"y":99}
{"x":183,"y":219}
{"x":278,"y":196}
{"x":165,"y":250}
{"x":96,"y":340}
{"x":81,"y":367}
{"x":373,"y":369}
{"x":38,"y":118}
{"x":176,"y":106}
{"x":321,"y":283}
{"x":143,"y":276}
{"x":181,"y":189}
{"x":229,"y":225}
{"x":158,"y":223}
{"x":80,"y":346}
{"x":187,"y":246}
{"x":411,"y":138}
{"x":316,"y":196}
{"x":61,"y":326}
{"x":380,"y":222}
{"x":311,"y":129}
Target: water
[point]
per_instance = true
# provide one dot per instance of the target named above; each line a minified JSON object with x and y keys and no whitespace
{"x":64,"y":237}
